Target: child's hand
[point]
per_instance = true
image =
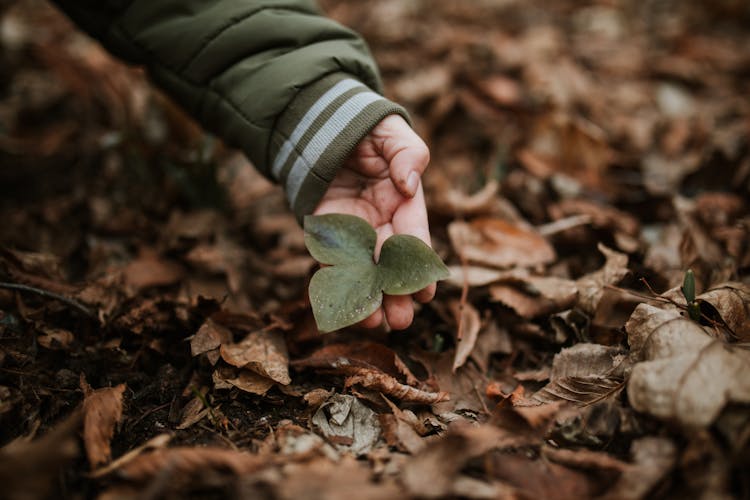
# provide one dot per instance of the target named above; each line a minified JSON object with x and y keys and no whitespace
{"x":381,"y":182}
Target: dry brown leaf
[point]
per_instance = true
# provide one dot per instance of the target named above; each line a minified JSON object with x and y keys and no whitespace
{"x":653,"y":458}
{"x":536,"y":295}
{"x":591,"y":287}
{"x":148,"y":271}
{"x":102,"y":411}
{"x":502,"y":90}
{"x":263,"y":352}
{"x":190,"y":462}
{"x":468,"y":324}
{"x":474,"y":276}
{"x":495,"y":242}
{"x":245,"y":380}
{"x":492,"y":339}
{"x":55,"y":338}
{"x":465,"y":385}
{"x":732,"y":302}
{"x":379,"y":381}
{"x":159,"y":441}
{"x":224,"y":256}
{"x":30,"y":469}
{"x":543,"y":478}
{"x":685,"y":375}
{"x":362,"y":354}
{"x":433,"y":472}
{"x":583,"y":374}
{"x":340,"y":480}
{"x":348,"y":424}
{"x":449,"y":200}
{"x":584,"y":459}
{"x":210,"y":336}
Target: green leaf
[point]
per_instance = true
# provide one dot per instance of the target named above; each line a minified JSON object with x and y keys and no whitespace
{"x":352,"y":289}
{"x":407,"y":265}
{"x":344,"y":295}
{"x":339,"y":238}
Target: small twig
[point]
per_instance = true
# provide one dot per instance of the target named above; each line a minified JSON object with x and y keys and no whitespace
{"x":561,"y":225}
{"x":50,"y":295}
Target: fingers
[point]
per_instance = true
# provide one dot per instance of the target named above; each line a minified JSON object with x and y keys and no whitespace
{"x":406,"y":154}
{"x":399,"y":311}
{"x":373,"y":320}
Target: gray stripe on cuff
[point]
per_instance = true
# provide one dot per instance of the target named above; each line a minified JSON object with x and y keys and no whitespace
{"x":307,"y":120}
{"x":343,"y":116}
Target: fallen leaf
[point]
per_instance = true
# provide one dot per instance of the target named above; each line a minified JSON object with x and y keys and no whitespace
{"x":535,"y":296}
{"x":189,"y":462}
{"x":263,"y":352}
{"x":352,"y":288}
{"x":583,"y":374}
{"x":732,"y":303}
{"x":159,"y":441}
{"x":433,"y":472}
{"x":210,"y":336}
{"x":148,"y":271}
{"x":379,"y":381}
{"x":583,"y":459}
{"x":468,"y":324}
{"x":244,"y":380}
{"x":363,"y":354}
{"x":498,"y":243}
{"x":55,"y":338}
{"x":341,"y":480}
{"x":102,"y":411}
{"x":544,"y":479}
{"x":475,"y":276}
{"x":373,"y":366}
{"x":31,"y":469}
{"x":348,"y":424}
{"x":685,"y":375}
{"x":653,"y":458}
{"x":591,"y":287}
{"x":464,"y":386}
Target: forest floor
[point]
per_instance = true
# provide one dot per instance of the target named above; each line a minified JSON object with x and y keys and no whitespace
{"x":156,"y":340}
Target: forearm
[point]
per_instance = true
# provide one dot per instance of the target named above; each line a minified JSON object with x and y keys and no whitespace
{"x":293,"y":89}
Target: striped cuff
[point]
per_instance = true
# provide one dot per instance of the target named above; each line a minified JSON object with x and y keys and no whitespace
{"x":318,"y":131}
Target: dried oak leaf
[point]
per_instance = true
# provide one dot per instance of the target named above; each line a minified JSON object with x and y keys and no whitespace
{"x":583,"y":374}
{"x":102,"y":411}
{"x":499,"y":243}
{"x":685,"y":375}
{"x":263,"y":352}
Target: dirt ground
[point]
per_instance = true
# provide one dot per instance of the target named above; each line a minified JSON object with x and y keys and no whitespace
{"x":156,"y":340}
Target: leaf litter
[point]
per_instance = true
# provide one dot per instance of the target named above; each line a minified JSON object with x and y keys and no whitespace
{"x":584,"y":157}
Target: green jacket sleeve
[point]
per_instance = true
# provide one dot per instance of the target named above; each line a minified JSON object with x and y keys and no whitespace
{"x":293,"y":89}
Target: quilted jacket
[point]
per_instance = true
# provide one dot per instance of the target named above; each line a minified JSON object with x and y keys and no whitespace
{"x":294,"y":90}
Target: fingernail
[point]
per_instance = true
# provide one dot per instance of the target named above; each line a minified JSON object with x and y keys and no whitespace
{"x":412,"y":182}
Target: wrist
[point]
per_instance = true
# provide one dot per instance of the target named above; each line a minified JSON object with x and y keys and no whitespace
{"x":318,"y":131}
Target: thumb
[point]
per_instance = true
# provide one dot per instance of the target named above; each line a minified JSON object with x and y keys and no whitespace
{"x":406,"y":153}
